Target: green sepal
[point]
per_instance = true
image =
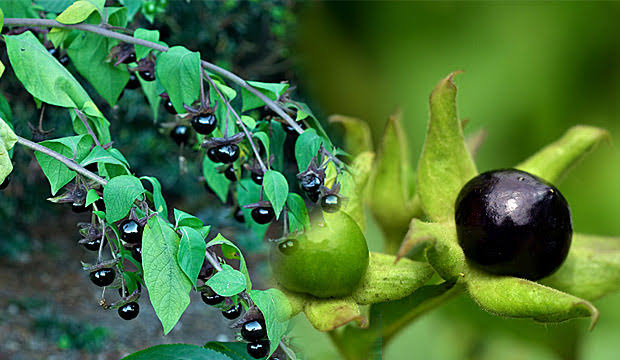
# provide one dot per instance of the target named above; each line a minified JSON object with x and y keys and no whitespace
{"x":357,"y":137}
{"x":329,"y":314}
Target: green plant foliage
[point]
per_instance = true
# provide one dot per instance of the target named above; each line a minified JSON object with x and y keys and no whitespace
{"x":158,"y":198}
{"x":191,"y":254}
{"x":76,"y":12}
{"x":56,"y":172}
{"x":119,"y":195}
{"x":179,"y":71}
{"x":231,"y":251}
{"x":307,"y":147}
{"x":177,"y":351}
{"x":234,"y":350}
{"x":7,"y":140}
{"x":149,"y":35}
{"x":272,"y":91}
{"x":228,"y":282}
{"x":275,"y":188}
{"x":276,"y":310}
{"x":216,"y":180}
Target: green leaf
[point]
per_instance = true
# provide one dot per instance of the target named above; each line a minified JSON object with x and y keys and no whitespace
{"x":329,"y":314}
{"x":91,"y":197}
{"x":229,"y":248}
{"x":167,"y":285}
{"x":276,"y":309}
{"x":132,"y":6}
{"x":275,"y":188}
{"x":76,"y":13}
{"x":182,"y":218}
{"x":306,"y":147}
{"x":149,"y":35}
{"x":41,"y":74}
{"x":264,"y":138}
{"x":272,"y":90}
{"x":277,"y":139}
{"x":54,"y":6}
{"x":119,"y":195}
{"x":386,"y":280}
{"x":7,"y":141}
{"x":227,"y":282}
{"x":249,"y":193}
{"x":216,"y":180}
{"x":100,"y":155}
{"x":298,"y":212}
{"x":57,"y":173}
{"x":390,"y":192}
{"x":234,"y":350}
{"x":248,"y":121}
{"x":97,"y":122}
{"x":117,"y":16}
{"x":592,"y":268}
{"x":520,"y":298}
{"x":179,"y":72}
{"x":554,"y":160}
{"x":176,"y":351}
{"x":158,"y":198}
{"x":445,"y":164}
{"x":357,"y":137}
{"x":88,"y":52}
{"x":151,"y":90}
{"x":192,"y":253}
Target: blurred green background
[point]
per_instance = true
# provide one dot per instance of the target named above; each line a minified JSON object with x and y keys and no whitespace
{"x":531,"y":70}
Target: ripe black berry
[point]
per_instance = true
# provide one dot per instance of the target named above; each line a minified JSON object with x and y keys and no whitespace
{"x":230,"y":173}
{"x":93,"y":245}
{"x":257,"y":178}
{"x":204,"y":124}
{"x":103,"y":277}
{"x":213,"y":155}
{"x":131,"y":231}
{"x":233,"y":312}
{"x":311,"y":183}
{"x":287,"y":247}
{"x":146,"y":75}
{"x":129,"y":311}
{"x":169,"y":107}
{"x":239,"y":215}
{"x":330,"y":203}
{"x":510,"y":222}
{"x":136,"y":253}
{"x":5,"y":183}
{"x":211,"y":298}
{"x":180,"y":134}
{"x":133,"y":82}
{"x":130,"y":59}
{"x":227,"y":153}
{"x":258,"y":350}
{"x":263,"y":214}
{"x":206,"y":271}
{"x":254,"y":330}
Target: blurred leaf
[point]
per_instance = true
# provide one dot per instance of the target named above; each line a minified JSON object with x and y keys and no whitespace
{"x":275,"y":188}
{"x":298,"y":212}
{"x":167,"y":285}
{"x":91,"y":197}
{"x":520,"y":298}
{"x":7,"y":141}
{"x":132,"y":6}
{"x":158,"y":198}
{"x":356,"y":133}
{"x":228,"y":282}
{"x":76,"y":12}
{"x":275,"y":308}
{"x":216,"y":180}
{"x":55,"y":6}
{"x":475,"y":141}
{"x":176,"y":351}
{"x":179,"y":72}
{"x":592,"y":268}
{"x":307,"y":147}
{"x":386,"y":280}
{"x":191,"y":254}
{"x":554,"y":160}
{"x":119,"y":195}
{"x":151,"y":92}
{"x":329,"y":314}
{"x":445,"y":164}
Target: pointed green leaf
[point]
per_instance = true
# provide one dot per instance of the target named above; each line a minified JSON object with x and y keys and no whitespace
{"x":216,"y":180}
{"x":445,"y":164}
{"x":306,"y":147}
{"x":275,"y":188}
{"x":276,"y":310}
{"x":7,"y":141}
{"x":76,"y":13}
{"x":167,"y":285}
{"x":119,"y":195}
{"x":179,"y":72}
{"x":519,"y":298}
{"x":386,"y":280}
{"x":271,"y":90}
{"x":91,"y":197}
{"x":228,"y":282}
{"x":298,"y":214}
{"x":229,"y":248}
{"x":357,"y":137}
{"x":144,"y":34}
{"x":158,"y":198}
{"x":57,"y":173}
{"x":555,"y":159}
{"x":234,"y":350}
{"x":176,"y":351}
{"x":191,"y":254}
{"x":100,"y":155}
{"x":592,"y":268}
{"x":182,"y":218}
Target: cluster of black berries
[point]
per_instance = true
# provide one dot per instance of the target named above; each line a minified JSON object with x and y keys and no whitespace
{"x":211,"y":298}
{"x":311,"y":182}
{"x":255,"y":332}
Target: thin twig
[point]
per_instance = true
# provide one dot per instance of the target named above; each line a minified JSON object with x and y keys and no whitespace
{"x":213,"y":261}
{"x":85,"y":122}
{"x":132,"y":40}
{"x":63,"y":159}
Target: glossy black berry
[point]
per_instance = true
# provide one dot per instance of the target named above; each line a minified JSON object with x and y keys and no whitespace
{"x":213,"y":155}
{"x":131,"y":231}
{"x":169,"y":107}
{"x":227,"y":153}
{"x":103,"y":277}
{"x":93,"y":245}
{"x":239,"y":215}
{"x":129,"y":311}
{"x":510,"y":222}
{"x":130,"y":59}
{"x":314,"y":196}
{"x":146,"y":75}
{"x":92,"y":167}
{"x":330,"y":203}
{"x":180,"y":134}
{"x":258,"y":350}
{"x":211,"y":298}
{"x":5,"y":183}
{"x":311,"y":183}
{"x":230,"y":173}
{"x":257,"y":178}
{"x":136,"y":253}
{"x":254,"y":330}
{"x":206,"y":271}
{"x":204,"y":124}
{"x":233,"y":312}
{"x":263,"y":214}
{"x":133,"y":82}
{"x":287,"y":247}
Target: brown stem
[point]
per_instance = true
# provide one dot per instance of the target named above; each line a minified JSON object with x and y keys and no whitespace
{"x":85,"y":122}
